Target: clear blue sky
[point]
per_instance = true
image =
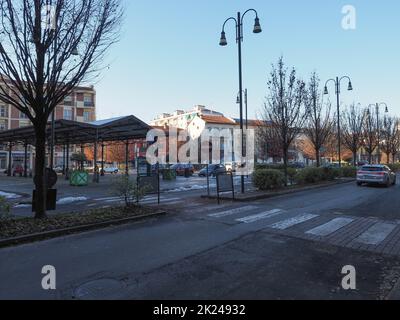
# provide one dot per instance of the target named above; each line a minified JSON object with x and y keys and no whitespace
{"x":169,"y":58}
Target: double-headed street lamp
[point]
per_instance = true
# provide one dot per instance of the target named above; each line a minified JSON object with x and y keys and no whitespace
{"x":377,"y":109}
{"x":239,"y":39}
{"x":246,"y":106}
{"x":337,"y":82}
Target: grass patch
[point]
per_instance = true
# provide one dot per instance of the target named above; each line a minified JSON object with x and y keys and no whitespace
{"x":11,"y":228}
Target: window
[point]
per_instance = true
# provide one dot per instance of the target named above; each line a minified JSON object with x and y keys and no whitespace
{"x":88,"y":101}
{"x":23,"y":115}
{"x":23,"y":124}
{"x":86,"y":116}
{"x":67,"y":114}
{"x":3,"y":111}
{"x":3,"y":125}
{"x":68,"y":101}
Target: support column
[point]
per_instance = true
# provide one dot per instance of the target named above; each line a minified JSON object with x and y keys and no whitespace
{"x":26,"y":160}
{"x":82,"y":152}
{"x":127,"y":158}
{"x":9,"y":159}
{"x":63,"y":167}
{"x":67,"y":167}
{"x":102,"y":159}
{"x":95,"y":167}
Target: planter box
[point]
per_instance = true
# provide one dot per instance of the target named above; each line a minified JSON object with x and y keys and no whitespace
{"x":79,"y":179}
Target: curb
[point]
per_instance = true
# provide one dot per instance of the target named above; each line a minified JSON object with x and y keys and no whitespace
{"x":78,"y":229}
{"x":277,"y":194}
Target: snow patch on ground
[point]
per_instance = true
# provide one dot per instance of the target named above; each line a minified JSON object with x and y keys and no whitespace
{"x":9,"y":195}
{"x":70,"y":200}
{"x":194,"y":187}
{"x":21,"y":206}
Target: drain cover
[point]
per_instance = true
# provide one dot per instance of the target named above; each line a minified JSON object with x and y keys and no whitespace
{"x":99,"y":289}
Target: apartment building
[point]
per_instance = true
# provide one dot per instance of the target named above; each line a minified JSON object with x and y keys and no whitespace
{"x":79,"y":106}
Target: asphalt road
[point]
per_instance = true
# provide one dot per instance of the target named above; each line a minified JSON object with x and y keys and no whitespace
{"x":261,"y":250}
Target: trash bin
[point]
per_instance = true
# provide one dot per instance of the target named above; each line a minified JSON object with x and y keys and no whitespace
{"x":187,"y":173}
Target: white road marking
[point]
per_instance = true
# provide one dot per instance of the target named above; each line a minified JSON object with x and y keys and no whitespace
{"x":232,"y":212}
{"x":260,"y":216}
{"x":286,"y":224}
{"x":330,"y":227}
{"x":377,"y":233}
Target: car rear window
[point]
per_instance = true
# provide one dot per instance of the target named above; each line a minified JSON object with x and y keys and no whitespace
{"x":373,"y":169}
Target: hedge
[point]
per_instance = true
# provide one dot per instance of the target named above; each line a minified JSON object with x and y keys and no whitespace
{"x":268,"y":179}
{"x":394,"y":167}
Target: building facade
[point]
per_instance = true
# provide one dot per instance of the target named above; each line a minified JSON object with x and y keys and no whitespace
{"x":79,"y":106}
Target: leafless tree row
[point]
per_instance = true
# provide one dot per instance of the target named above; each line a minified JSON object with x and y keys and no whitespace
{"x":295,"y":110}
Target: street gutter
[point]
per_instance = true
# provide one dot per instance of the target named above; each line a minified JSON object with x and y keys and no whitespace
{"x":73,"y":230}
{"x":259,"y":195}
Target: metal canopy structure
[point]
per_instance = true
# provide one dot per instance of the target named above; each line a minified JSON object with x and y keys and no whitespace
{"x":72,"y":132}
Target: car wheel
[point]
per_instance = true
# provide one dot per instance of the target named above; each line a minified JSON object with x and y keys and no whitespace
{"x":359,"y":184}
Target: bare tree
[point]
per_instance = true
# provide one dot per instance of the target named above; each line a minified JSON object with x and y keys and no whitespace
{"x":390,"y":137}
{"x":352,"y":129}
{"x":395,"y":145}
{"x":319,"y":124}
{"x":48,"y":47}
{"x":284,"y":107}
{"x":370,"y":134}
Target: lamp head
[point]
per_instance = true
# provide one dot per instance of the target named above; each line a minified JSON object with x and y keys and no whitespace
{"x":350,"y":88}
{"x":257,"y":26}
{"x":223,"y":41}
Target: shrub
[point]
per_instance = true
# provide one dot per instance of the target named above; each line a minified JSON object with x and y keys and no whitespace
{"x":127,"y":189}
{"x":348,"y":172}
{"x":292,"y":172}
{"x":394,"y":167}
{"x":268,"y":179}
{"x":315,"y":175}
{"x":5,"y":208}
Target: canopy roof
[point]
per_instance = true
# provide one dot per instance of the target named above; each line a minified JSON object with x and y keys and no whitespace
{"x":66,"y":131}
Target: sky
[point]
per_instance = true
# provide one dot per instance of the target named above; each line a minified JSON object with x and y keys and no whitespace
{"x":168,"y":57}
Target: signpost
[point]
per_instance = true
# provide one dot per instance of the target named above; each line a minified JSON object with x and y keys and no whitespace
{"x":225,"y":184}
{"x":150,"y":183}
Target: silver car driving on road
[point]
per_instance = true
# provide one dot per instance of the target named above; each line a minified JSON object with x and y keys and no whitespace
{"x":376,"y":174}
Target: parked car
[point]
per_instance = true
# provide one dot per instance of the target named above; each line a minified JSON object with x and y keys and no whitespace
{"x":111,"y":170}
{"x":181,"y":169}
{"x":58,"y":169}
{"x":231,"y":166}
{"x":376,"y":174}
{"x":18,"y":170}
{"x":213,"y":170}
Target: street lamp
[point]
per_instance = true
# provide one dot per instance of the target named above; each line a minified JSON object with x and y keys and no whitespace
{"x":377,"y":109}
{"x":337,"y":82}
{"x":239,"y":39}
{"x":246,"y":106}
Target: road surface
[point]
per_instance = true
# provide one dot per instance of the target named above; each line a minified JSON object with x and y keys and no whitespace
{"x":290,"y":247}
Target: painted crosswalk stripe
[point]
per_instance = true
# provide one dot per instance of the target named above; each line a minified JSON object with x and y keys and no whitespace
{"x":260,"y":216}
{"x":377,"y":233}
{"x":330,"y":227}
{"x":286,"y":224}
{"x":232,"y":212}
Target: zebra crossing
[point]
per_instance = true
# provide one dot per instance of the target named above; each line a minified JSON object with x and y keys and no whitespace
{"x":314,"y":226}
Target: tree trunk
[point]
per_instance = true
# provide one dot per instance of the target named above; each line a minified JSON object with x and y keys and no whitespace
{"x":355,"y":159}
{"x":40,"y":181}
{"x":285,"y":165}
{"x":318,"y":158}
{"x":370,"y":157}
{"x":388,"y":157}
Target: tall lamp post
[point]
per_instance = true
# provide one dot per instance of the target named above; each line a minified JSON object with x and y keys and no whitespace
{"x":378,"y":129}
{"x":337,"y":83}
{"x":246,"y":107}
{"x":239,"y":39}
